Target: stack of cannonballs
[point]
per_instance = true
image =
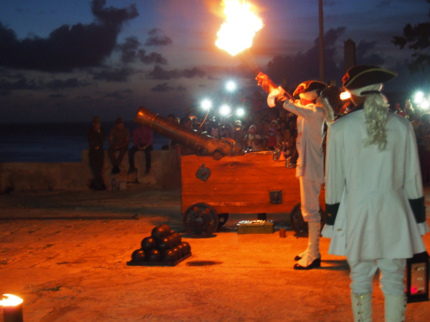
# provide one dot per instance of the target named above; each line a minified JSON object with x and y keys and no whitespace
{"x":164,"y":245}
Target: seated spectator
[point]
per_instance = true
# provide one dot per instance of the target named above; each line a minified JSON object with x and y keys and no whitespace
{"x":143,"y":141}
{"x":119,"y":138}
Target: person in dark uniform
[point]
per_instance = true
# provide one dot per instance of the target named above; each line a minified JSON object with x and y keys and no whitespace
{"x":96,"y":138}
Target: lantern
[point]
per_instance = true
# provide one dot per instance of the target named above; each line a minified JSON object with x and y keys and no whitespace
{"x":417,"y":278}
{"x":12,"y":308}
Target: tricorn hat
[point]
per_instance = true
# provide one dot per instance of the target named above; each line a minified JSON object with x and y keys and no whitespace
{"x":364,"y":75}
{"x":309,"y":86}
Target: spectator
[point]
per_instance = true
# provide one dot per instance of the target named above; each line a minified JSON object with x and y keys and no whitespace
{"x":250,"y":136}
{"x":119,"y":138}
{"x":256,"y":145}
{"x":143,"y":141}
{"x":96,"y":154}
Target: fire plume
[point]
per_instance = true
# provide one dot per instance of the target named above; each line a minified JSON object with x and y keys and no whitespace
{"x":239,"y":28}
{"x":10,"y":300}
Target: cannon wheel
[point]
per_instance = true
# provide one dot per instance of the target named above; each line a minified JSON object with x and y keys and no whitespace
{"x":200,"y":220}
{"x":222,"y":220}
{"x":299,"y":225}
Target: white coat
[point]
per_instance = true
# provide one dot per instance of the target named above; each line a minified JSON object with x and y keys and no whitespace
{"x":374,"y":219}
{"x":310,"y":164}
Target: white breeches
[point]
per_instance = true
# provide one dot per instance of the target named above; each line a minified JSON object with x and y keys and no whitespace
{"x":392,"y":272}
{"x":309,"y":198}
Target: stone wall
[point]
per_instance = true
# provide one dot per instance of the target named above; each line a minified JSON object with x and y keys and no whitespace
{"x":29,"y":176}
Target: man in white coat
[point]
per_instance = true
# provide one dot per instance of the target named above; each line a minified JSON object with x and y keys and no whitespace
{"x":310,"y":165}
{"x":374,"y":196}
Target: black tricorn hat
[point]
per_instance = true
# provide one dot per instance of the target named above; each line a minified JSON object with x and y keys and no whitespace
{"x":309,"y":86}
{"x":364,"y":75}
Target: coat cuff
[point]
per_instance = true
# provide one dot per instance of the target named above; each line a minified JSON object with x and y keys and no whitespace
{"x":327,"y":231}
{"x":331,"y":212}
{"x":419,"y":209}
{"x":423,"y":228}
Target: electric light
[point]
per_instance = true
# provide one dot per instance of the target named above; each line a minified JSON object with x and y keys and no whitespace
{"x":240,"y":112}
{"x":231,"y":86}
{"x":225,"y":110}
{"x":419,"y":96}
{"x":206,"y":104}
{"x":425,"y":105}
{"x":345,"y":95}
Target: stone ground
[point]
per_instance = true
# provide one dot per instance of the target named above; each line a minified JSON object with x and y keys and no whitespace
{"x":65,"y":254}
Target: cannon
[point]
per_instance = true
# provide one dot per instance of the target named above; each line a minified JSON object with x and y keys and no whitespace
{"x":220,"y":179}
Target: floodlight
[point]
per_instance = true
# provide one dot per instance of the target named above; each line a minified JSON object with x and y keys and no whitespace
{"x":225,"y":110}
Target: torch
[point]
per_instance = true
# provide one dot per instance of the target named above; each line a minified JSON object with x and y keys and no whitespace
{"x":12,"y":308}
{"x":237,"y":32}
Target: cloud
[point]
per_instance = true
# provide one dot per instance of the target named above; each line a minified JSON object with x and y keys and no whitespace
{"x":366,"y":54}
{"x":67,"y":47}
{"x":119,"y":95}
{"x":114,"y":75}
{"x":162,"y":74}
{"x":162,"y":88}
{"x":57,"y":96}
{"x":294,"y":69}
{"x":59,"y":84}
{"x":152,"y":58}
{"x":157,"y":38}
{"x":21,"y":83}
{"x":128,"y":49}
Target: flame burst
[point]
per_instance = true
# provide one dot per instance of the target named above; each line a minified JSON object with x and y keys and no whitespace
{"x":240,"y":26}
{"x":10,"y":300}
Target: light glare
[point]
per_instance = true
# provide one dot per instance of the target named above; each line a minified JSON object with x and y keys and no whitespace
{"x":225,"y":110}
{"x":231,"y":86}
{"x":206,"y":104}
{"x":418,"y":98}
{"x":240,"y":112}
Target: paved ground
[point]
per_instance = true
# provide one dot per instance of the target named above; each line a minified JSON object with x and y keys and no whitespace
{"x":73,"y":267}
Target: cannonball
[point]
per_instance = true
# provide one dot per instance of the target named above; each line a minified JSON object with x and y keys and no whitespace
{"x":177,"y":237}
{"x":148,"y":243}
{"x":164,"y":244}
{"x":181,"y":250}
{"x":161,"y":231}
{"x":138,"y":255}
{"x":187,"y":247}
{"x":172,"y":240}
{"x":153,"y":255}
{"x":169,"y":256}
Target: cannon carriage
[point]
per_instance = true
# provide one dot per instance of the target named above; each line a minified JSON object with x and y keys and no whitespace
{"x":221,"y":179}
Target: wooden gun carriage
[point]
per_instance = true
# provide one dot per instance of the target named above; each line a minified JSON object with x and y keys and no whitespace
{"x":221,"y":179}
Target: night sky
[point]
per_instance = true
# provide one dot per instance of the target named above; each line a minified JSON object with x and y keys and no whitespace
{"x":71,"y":60}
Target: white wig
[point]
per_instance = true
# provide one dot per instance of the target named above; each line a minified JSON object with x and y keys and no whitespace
{"x":376,"y":114}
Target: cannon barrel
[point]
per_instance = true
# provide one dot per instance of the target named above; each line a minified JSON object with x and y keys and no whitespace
{"x":201,"y":143}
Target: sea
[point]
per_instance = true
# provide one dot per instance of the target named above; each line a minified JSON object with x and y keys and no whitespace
{"x":53,"y":142}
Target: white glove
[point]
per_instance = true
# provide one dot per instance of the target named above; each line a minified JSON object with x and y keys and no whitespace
{"x":276,"y":95}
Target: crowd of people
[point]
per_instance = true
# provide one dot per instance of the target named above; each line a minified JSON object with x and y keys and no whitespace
{"x":263,"y":130}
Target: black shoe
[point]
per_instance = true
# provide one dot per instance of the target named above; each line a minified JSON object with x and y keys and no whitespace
{"x":297,"y":258}
{"x":131,"y":170}
{"x":315,"y":264}
{"x":147,"y":171}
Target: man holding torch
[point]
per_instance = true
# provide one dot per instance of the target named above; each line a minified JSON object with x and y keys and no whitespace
{"x":310,"y":165}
